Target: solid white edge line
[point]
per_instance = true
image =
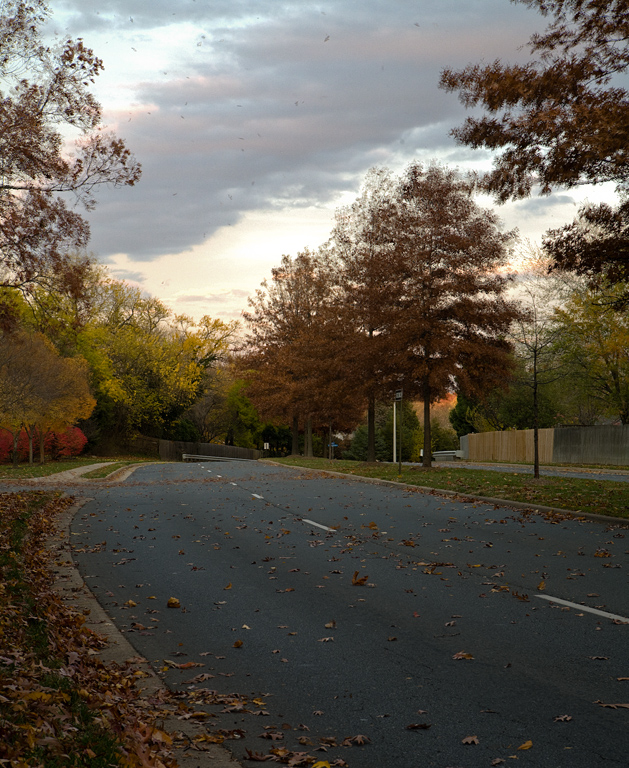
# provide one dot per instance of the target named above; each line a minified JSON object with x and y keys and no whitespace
{"x":596,"y":611}
{"x":257,"y":496}
{"x":312,"y":522}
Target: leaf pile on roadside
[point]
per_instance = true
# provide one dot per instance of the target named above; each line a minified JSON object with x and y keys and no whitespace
{"x":58,"y":698}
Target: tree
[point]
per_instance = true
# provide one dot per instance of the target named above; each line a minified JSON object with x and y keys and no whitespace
{"x":363,"y":243}
{"x":595,"y":245}
{"x":65,"y":398}
{"x":296,"y":354}
{"x":595,"y":339}
{"x":536,"y":333}
{"x":39,"y":390}
{"x":563,"y":118}
{"x":44,"y":102}
{"x":453,"y":316}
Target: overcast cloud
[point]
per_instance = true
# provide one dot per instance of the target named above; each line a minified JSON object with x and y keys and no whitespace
{"x":239,"y":108}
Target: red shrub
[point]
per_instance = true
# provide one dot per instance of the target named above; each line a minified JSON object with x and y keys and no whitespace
{"x":57,"y":445}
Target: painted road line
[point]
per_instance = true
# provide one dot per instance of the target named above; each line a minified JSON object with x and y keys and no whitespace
{"x":312,"y":522}
{"x":257,"y":496}
{"x":595,"y":611}
{"x":232,"y":483}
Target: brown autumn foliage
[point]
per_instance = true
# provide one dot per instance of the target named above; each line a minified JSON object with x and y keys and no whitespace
{"x":453,"y":317}
{"x":296,"y":353}
{"x":596,"y":245}
{"x":418,"y":265}
{"x":44,"y":99}
{"x":563,"y":118}
{"x":58,"y":698}
{"x":408,"y":293}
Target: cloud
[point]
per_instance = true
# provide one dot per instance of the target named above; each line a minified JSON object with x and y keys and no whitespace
{"x":240,"y":106}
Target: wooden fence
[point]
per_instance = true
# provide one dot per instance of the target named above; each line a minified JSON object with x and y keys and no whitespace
{"x":172,"y":450}
{"x":511,"y":446}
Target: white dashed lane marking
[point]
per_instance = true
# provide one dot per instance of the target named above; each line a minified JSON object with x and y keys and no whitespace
{"x":312,"y":522}
{"x":595,"y":611}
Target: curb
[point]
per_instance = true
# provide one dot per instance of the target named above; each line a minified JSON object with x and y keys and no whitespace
{"x":457,"y":496}
{"x":69,"y":585}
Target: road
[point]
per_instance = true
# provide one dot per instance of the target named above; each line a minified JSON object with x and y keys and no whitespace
{"x":263,"y":557}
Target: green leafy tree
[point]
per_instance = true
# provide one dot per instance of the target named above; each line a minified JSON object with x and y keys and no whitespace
{"x":461,"y":417}
{"x":595,"y":340}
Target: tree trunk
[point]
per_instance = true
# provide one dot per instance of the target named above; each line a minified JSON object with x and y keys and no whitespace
{"x":294,"y":450}
{"x":427,"y":457}
{"x":42,"y":448}
{"x":308,"y":446}
{"x":371,"y":429}
{"x":16,"y":436}
{"x":30,"y":445}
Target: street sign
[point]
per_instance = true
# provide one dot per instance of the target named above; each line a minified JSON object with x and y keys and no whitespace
{"x":266,"y":446}
{"x":398,"y":394}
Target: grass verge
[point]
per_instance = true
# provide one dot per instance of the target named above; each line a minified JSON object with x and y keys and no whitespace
{"x":60,"y":705}
{"x":601,"y":497}
{"x":26,"y":471}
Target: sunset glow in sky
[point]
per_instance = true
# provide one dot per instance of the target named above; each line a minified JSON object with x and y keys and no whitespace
{"x":255,"y":119}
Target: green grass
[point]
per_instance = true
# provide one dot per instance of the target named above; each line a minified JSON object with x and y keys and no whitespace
{"x":26,"y":471}
{"x":602,"y":497}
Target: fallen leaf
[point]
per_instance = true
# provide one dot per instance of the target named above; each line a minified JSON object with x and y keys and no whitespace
{"x":470,"y":740}
{"x":612,"y":706}
{"x":173,"y":602}
{"x":325,"y":640}
{"x":462,"y":655}
{"x":330,"y":624}
{"x":131,"y":603}
{"x":391,"y":639}
{"x":541,"y":586}
{"x":497,"y":761}
{"x":562,"y":718}
{"x":238,"y":644}
{"x":229,"y":586}
{"x":527,"y":745}
{"x":359,"y":582}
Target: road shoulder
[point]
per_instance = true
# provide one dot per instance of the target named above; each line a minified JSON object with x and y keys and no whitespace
{"x":73,"y":590}
{"x":456,"y":496}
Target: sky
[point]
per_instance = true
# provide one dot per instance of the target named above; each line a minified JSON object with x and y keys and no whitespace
{"x":254,"y":120}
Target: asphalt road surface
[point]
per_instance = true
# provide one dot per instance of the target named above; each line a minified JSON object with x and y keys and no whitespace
{"x":449,"y":637}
